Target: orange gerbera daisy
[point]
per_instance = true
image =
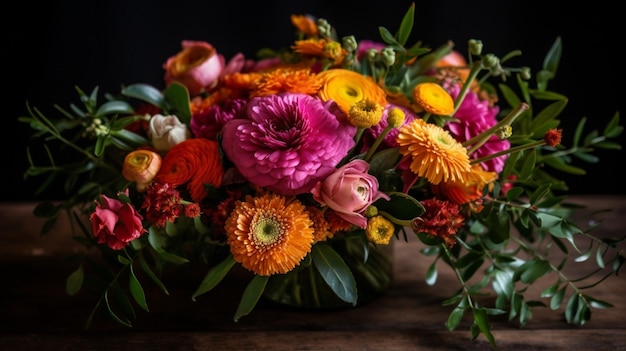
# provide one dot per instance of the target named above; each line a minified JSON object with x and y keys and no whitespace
{"x":434,"y":153}
{"x":433,"y":98}
{"x":347,"y":87}
{"x":286,"y":80}
{"x":269,"y":235}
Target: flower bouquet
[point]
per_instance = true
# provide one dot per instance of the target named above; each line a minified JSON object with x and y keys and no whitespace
{"x":302,"y":166}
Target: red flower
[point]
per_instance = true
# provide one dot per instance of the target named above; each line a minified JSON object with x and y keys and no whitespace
{"x":441,"y":219}
{"x":115,"y":223}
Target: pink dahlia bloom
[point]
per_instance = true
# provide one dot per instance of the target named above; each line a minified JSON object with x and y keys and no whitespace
{"x":475,"y":116}
{"x":208,"y":122}
{"x":287,"y":142}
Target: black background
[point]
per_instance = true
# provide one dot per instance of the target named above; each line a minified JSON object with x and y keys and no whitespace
{"x":51,"y":47}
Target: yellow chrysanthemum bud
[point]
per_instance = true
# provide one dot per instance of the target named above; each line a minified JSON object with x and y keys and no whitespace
{"x":379,"y":230}
{"x":395,"y":117}
{"x":365,"y":113}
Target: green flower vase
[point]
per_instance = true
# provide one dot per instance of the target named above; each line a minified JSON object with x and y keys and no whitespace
{"x":305,"y":288}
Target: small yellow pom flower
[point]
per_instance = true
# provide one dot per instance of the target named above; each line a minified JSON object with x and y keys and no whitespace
{"x":365,"y":113}
{"x":395,"y":117}
{"x":433,"y":98}
{"x":379,"y":230}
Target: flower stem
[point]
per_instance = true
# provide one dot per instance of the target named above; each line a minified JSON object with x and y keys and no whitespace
{"x":482,"y":138}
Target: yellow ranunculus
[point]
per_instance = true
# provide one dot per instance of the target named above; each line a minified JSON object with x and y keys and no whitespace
{"x":347,"y":87}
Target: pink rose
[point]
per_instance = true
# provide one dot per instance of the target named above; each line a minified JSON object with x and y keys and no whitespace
{"x":116,"y":223}
{"x":349,"y":191}
{"x":198,"y":67}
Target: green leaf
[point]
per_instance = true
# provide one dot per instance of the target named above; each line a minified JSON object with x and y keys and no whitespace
{"x":406,"y":26}
{"x":75,"y":280}
{"x":335,"y":272}
{"x":455,"y":318}
{"x":115,"y":108}
{"x":214,"y":276}
{"x":115,"y":317}
{"x":150,"y":273}
{"x":177,"y":96}
{"x":531,"y":271}
{"x":171,"y":258}
{"x":401,"y":207}
{"x":551,"y":61}
{"x":145,"y":93}
{"x":136,"y":290}
{"x":482,"y":321}
{"x":431,"y":274}
{"x":251,"y":296}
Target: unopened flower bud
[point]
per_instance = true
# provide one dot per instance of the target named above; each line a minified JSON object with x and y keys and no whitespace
{"x":525,"y":73}
{"x":371,"y":54}
{"x":490,"y":61}
{"x":349,"y":43}
{"x":323,"y":27}
{"x":388,"y":56}
{"x":371,"y":211}
{"x":475,"y":46}
{"x":504,"y":132}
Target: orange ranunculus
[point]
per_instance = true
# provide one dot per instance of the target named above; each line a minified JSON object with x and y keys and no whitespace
{"x":347,"y":87}
{"x":194,"y":162}
{"x":141,"y":166}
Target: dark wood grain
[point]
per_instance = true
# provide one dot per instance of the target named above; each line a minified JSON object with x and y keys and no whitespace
{"x":36,"y":313}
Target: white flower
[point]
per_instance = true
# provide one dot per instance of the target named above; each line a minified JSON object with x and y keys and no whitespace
{"x":167,"y":131}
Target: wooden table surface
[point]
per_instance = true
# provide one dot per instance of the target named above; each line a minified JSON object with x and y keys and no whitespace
{"x":36,"y":313}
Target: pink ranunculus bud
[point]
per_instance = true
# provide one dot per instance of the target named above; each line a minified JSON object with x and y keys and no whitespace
{"x":167,"y":131}
{"x":115,"y":223}
{"x":349,"y":191}
{"x":197,"y":66}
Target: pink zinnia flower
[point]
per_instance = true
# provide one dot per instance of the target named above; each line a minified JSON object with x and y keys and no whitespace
{"x":208,"y":122}
{"x":287,"y":142}
{"x":475,"y":116}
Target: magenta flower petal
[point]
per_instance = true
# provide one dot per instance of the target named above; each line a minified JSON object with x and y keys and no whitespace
{"x":287,"y":143}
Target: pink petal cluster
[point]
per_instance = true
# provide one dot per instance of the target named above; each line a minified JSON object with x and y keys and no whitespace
{"x":197,"y":66}
{"x":208,"y":122}
{"x":287,"y":142}
{"x":115,"y":223}
{"x":349,"y":191}
{"x":475,"y":116}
